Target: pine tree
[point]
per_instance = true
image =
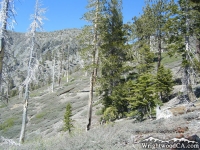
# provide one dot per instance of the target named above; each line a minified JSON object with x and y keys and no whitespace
{"x":158,"y":12}
{"x":179,"y":29}
{"x":142,"y":96}
{"x":164,"y":83}
{"x":195,"y":23}
{"x":67,"y":119}
{"x":145,"y":60}
{"x":143,"y":30}
{"x":116,"y":105}
{"x":113,"y":49}
{"x":90,"y":40}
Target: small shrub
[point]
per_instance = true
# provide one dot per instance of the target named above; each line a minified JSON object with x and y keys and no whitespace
{"x":67,"y":118}
{"x":110,"y":114}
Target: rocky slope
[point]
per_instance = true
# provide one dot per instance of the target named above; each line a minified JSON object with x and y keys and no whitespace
{"x":48,"y":44}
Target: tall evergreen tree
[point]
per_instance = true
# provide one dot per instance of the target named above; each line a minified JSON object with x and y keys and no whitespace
{"x":164,"y":83}
{"x":195,"y":23}
{"x":142,"y":96}
{"x":113,"y":49}
{"x":158,"y":13}
{"x":91,"y":47}
{"x":179,"y":32}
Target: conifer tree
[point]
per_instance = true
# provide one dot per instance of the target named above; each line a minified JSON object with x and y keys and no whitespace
{"x":179,"y":32}
{"x":164,"y":83}
{"x":113,"y":49}
{"x":145,"y":60}
{"x":158,"y":13}
{"x":90,"y":40}
{"x":142,"y":96}
{"x":144,"y":57}
{"x":67,"y":118}
{"x":195,"y":23}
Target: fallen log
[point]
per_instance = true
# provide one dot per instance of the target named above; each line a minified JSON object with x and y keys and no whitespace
{"x":63,"y":92}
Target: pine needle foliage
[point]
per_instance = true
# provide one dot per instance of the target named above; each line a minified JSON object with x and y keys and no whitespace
{"x":67,"y":119}
{"x":142,"y":96}
{"x":164,"y":83}
{"x":113,"y":48}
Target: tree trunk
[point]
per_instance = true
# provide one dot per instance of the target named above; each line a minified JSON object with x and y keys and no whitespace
{"x":2,"y":40}
{"x":198,"y":49}
{"x":61,"y":66}
{"x":187,"y":72}
{"x":94,"y":70}
{"x":96,"y":63}
{"x":188,"y":85}
{"x":67,"y":64}
{"x":159,"y":47}
{"x":90,"y":102}
{"x":1,"y":60}
{"x":53,"y":74}
{"x":25,"y":109}
{"x":24,"y":118}
{"x":20,"y":91}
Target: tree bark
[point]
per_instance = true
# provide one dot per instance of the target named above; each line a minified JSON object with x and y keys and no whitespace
{"x":159,"y":50}
{"x":67,"y":64}
{"x":53,"y":75}
{"x":90,"y":102}
{"x":198,"y":49}
{"x":94,"y":70}
{"x":24,"y":116}
{"x":187,"y":77}
{"x":2,"y":40}
{"x":1,"y":60}
{"x":61,"y":66}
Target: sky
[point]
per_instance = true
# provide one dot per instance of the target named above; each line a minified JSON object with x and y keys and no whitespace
{"x":63,"y":14}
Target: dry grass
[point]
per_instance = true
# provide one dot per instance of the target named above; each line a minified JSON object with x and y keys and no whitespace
{"x":116,"y":136}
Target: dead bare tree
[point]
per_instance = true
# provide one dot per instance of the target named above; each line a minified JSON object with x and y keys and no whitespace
{"x":61,"y":65}
{"x":67,"y":64}
{"x":33,"y":63}
{"x":7,"y":14}
{"x":53,"y":74}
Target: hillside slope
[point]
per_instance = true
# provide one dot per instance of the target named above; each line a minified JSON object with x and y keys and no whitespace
{"x":46,"y":112}
{"x":48,"y":44}
{"x":46,"y":109}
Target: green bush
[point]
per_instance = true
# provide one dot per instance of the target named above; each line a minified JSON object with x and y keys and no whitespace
{"x":164,"y":83}
{"x":110,"y":114}
{"x":67,"y":118}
